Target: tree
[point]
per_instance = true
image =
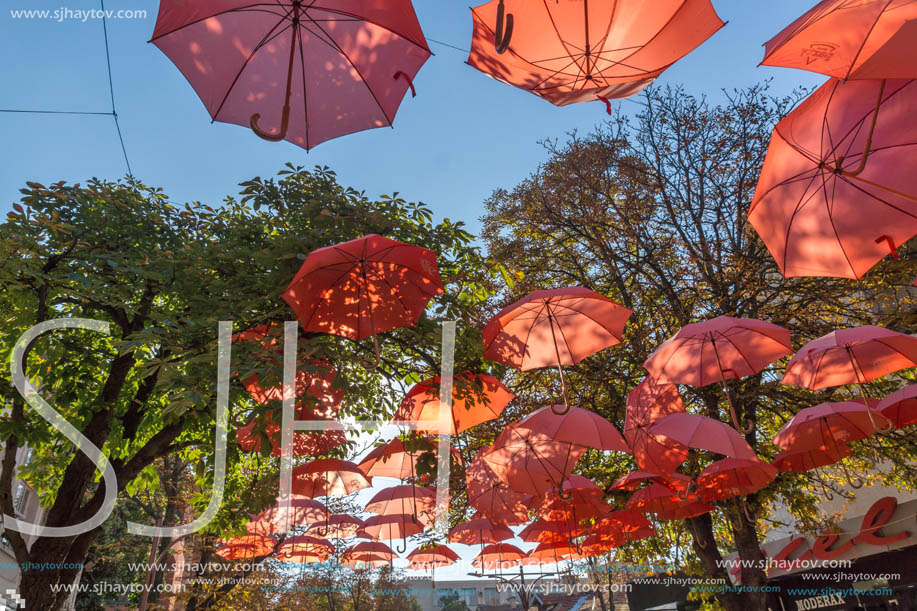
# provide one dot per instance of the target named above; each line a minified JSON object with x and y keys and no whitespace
{"x":452,"y":602}
{"x":163,"y":275}
{"x":651,"y":212}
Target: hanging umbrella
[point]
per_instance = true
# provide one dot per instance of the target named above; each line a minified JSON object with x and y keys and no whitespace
{"x":500,"y":555}
{"x":476,"y":398}
{"x":311,"y":71}
{"x":363,"y":287}
{"x":479,"y":531}
{"x":531,"y":462}
{"x":368,"y":554}
{"x":706,"y":352}
{"x":304,"y":443}
{"x":593,"y":546}
{"x":302,"y":511}
{"x":807,"y":460}
{"x":577,"y":499}
{"x":634,"y":479}
{"x":900,"y":406}
{"x":647,"y":403}
{"x":850,"y":39}
{"x":390,"y":527}
{"x":492,"y":496}
{"x":416,"y":501}
{"x":620,"y":522}
{"x":835,"y":193}
{"x":554,"y":328}
{"x":304,"y":549}
{"x":569,"y":52}
{"x":246,"y":547}
{"x":731,"y":477}
{"x":434,"y":556}
{"x":553,"y":551}
{"x":703,"y":433}
{"x":576,"y":426}
{"x":851,"y":356}
{"x":542,"y":530}
{"x":666,"y":503}
{"x":329,"y":477}
{"x":394,"y":459}
{"x":339,"y":526}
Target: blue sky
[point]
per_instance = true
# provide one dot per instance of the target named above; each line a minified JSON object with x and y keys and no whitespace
{"x":461,"y":137}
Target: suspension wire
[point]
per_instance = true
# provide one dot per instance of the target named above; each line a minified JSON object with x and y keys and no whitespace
{"x":111,"y":90}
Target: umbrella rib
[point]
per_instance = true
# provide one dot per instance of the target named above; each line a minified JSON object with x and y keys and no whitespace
{"x":305,"y":90}
{"x":866,"y":38}
{"x":395,"y":292}
{"x":249,"y":8}
{"x":357,"y":70}
{"x":797,"y":208}
{"x":812,"y":20}
{"x":560,"y":39}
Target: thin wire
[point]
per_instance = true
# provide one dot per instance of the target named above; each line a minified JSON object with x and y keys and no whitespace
{"x":111,"y":90}
{"x":56,"y":112}
{"x":446,"y":44}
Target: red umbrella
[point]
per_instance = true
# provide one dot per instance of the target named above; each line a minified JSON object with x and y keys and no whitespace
{"x":542,"y":530}
{"x":501,"y":555}
{"x":634,"y":479}
{"x":389,"y":527}
{"x":577,"y":499}
{"x":417,"y":501}
{"x":620,"y":522}
{"x":363,"y":287}
{"x":303,"y":510}
{"x":554,"y":328}
{"x":731,"y":477}
{"x":576,"y":426}
{"x":479,"y":531}
{"x":304,"y":443}
{"x":531,"y":462}
{"x":328,"y":477}
{"x":368,"y":554}
{"x":900,"y":406}
{"x":569,"y":52}
{"x":492,"y":496}
{"x":393,"y":459}
{"x":553,"y":551}
{"x":807,"y":460}
{"x":704,"y":434}
{"x":304,"y":549}
{"x":476,"y":398}
{"x":431,"y":557}
{"x":314,"y":70}
{"x":246,"y":547}
{"x":647,"y":403}
{"x":666,"y":503}
{"x":850,"y":39}
{"x":835,"y":193}
{"x":706,"y":352}
{"x":338,"y":525}
{"x":594,"y":546}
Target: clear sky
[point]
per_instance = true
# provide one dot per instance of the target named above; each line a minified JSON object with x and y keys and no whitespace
{"x":461,"y":137}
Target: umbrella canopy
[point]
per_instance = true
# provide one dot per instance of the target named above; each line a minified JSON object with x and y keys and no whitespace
{"x":493,"y":497}
{"x":304,"y":549}
{"x":363,"y":287}
{"x":836,"y":193}
{"x":569,"y":52}
{"x":900,"y":406}
{"x":431,"y":557}
{"x":476,"y":398}
{"x":593,"y":546}
{"x":710,"y":351}
{"x":339,"y":525}
{"x":620,"y":522}
{"x":850,"y":39}
{"x":328,"y":477}
{"x":553,"y":551}
{"x":389,"y":527}
{"x":311,"y":71}
{"x":479,"y":531}
{"x":635,"y":479}
{"x":302,"y":511}
{"x":851,"y":356}
{"x":830,"y":425}
{"x":731,"y":477}
{"x":577,"y":499}
{"x":542,"y":530}
{"x":368,"y":554}
{"x":647,"y":403}
{"x":666,"y":503}
{"x":394,"y":459}
{"x":502,"y":555}
{"x":417,"y":501}
{"x":577,"y":426}
{"x":807,"y":460}
{"x":553,"y":328}
{"x":704,"y":434}
{"x":246,"y":547}
{"x":531,"y":462}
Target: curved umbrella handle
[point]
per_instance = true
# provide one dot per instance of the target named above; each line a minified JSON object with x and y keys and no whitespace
{"x":563,"y":388}
{"x":502,"y":35}
{"x":402,"y":549}
{"x":408,"y":79}
{"x":891,"y":244}
{"x":265,"y":135}
{"x":700,"y":543}
{"x":565,"y":495}
{"x":854,"y":483}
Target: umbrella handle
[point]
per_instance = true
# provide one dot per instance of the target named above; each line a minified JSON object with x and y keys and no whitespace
{"x":563,"y":388}
{"x":857,"y":483}
{"x":264,"y":135}
{"x":891,"y":244}
{"x":700,"y":543}
{"x":502,"y":35}
{"x":866,"y":149}
{"x":408,"y":79}
{"x":565,"y":495}
{"x":748,"y":516}
{"x":402,"y":549}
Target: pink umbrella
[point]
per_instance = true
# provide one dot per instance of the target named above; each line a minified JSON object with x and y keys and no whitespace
{"x":476,"y":398}
{"x":633,"y":480}
{"x":731,"y":477}
{"x":900,"y":406}
{"x":389,"y":527}
{"x":417,"y":501}
{"x":647,"y":403}
{"x":479,"y":531}
{"x":531,"y":462}
{"x":706,"y":352}
{"x":303,"y":510}
{"x":328,"y":477}
{"x":493,"y":497}
{"x":835,"y":193}
{"x":807,"y":460}
{"x":553,"y":328}
{"x":316,"y":70}
{"x":576,"y":426}
{"x":704,"y":434}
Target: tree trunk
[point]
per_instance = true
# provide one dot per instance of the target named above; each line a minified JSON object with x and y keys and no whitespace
{"x":706,"y":550}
